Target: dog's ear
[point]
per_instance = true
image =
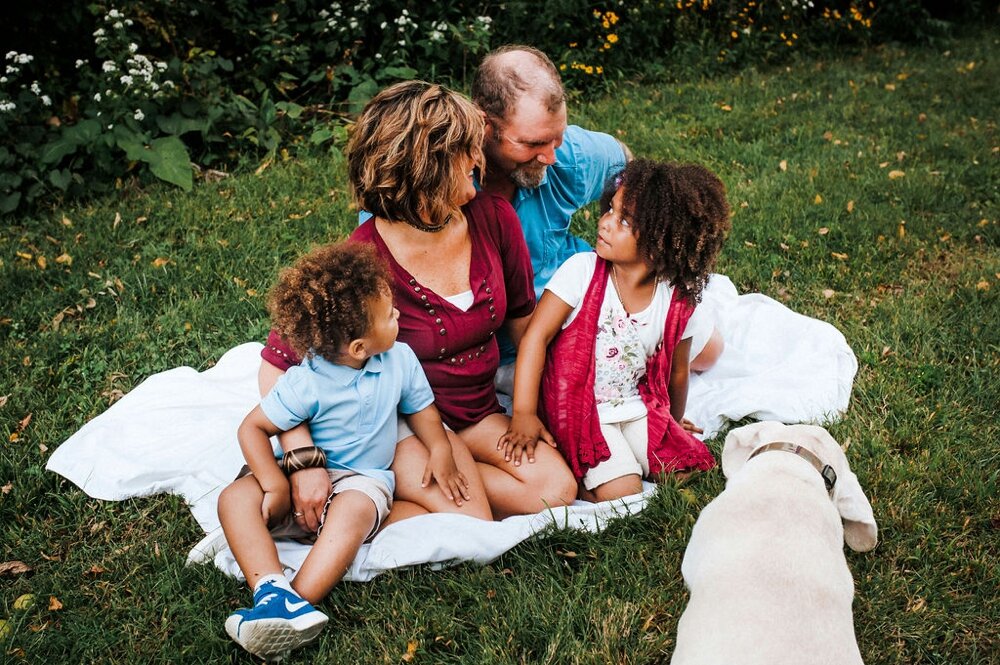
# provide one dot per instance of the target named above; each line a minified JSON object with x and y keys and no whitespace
{"x":860,"y":530}
{"x":742,"y":441}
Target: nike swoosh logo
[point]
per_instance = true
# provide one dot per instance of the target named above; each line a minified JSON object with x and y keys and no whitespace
{"x":295,"y":607}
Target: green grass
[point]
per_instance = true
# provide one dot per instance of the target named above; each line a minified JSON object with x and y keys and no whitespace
{"x":160,"y":279}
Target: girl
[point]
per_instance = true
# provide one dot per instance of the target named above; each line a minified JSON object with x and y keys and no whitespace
{"x":614,"y":386}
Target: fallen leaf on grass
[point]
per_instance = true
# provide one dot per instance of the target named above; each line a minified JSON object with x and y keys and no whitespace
{"x":783,"y":165}
{"x":94,"y":571}
{"x":54,"y":604}
{"x":916,"y":605}
{"x":569,"y":554}
{"x":42,"y":263}
{"x":24,"y":602}
{"x":818,"y":199}
{"x":411,"y":650}
{"x":982,"y":285}
{"x":66,"y":221}
{"x":118,"y":220}
{"x":896,"y":175}
{"x":828,"y":293}
{"x":890,"y":87}
{"x":160,"y":262}
{"x":850,"y":206}
{"x":823,"y":230}
{"x":24,"y":423}
{"x":726,"y":107}
{"x":3,"y":400}
{"x":12,"y":568}
{"x":5,"y":630}
{"x":6,"y":488}
{"x":64,"y":259}
{"x":839,"y":256}
{"x":828,"y":135}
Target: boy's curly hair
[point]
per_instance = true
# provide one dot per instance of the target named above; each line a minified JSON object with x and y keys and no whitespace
{"x":680,"y":216}
{"x":325,"y":299}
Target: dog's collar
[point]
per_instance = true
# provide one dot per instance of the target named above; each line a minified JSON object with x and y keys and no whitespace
{"x":825,"y":470}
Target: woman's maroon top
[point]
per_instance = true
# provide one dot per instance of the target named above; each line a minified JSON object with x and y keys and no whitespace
{"x":458,"y":350}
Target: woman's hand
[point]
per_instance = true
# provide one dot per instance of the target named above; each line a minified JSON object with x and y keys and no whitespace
{"x":522,"y":436}
{"x":276,"y":504}
{"x":310,"y":492}
{"x":441,"y":469}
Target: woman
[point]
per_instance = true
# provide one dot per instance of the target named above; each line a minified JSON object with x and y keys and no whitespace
{"x":461,"y":271}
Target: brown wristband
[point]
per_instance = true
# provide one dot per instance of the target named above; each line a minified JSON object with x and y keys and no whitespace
{"x":308,"y":457}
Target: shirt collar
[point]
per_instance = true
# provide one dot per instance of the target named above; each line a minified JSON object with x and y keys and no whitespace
{"x":342,"y":374}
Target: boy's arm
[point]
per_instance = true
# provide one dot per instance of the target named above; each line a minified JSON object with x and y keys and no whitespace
{"x":525,"y":426}
{"x":677,"y":387}
{"x":310,"y":487}
{"x":426,"y":424}
{"x":254,"y":434}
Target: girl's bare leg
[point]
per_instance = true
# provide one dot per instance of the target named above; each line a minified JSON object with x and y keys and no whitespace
{"x":613,"y":489}
{"x":349,"y":520}
{"x":517,"y":490}
{"x":245,"y":529}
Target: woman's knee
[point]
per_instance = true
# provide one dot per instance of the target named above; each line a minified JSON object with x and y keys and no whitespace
{"x":551,"y":478}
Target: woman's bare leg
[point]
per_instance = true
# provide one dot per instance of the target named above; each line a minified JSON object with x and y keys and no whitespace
{"x":517,"y":490}
{"x":412,"y":499}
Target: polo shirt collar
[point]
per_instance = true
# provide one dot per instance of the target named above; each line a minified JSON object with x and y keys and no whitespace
{"x":343,"y":375}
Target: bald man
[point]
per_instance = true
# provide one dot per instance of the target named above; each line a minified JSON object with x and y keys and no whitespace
{"x":546,"y":169}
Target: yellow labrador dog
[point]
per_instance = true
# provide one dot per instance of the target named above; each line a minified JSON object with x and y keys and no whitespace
{"x":765,"y":564}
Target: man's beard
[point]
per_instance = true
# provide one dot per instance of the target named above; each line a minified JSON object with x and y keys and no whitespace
{"x":528,"y":177}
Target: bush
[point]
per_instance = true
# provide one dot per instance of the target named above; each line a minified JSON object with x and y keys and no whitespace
{"x":95,"y":97}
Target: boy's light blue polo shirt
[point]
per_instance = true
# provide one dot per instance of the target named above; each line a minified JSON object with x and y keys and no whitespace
{"x":352,"y":412}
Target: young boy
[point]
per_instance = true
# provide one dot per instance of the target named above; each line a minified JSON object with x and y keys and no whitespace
{"x":334,"y":307}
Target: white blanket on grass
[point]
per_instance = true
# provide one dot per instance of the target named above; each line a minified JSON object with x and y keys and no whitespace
{"x":176,"y":432}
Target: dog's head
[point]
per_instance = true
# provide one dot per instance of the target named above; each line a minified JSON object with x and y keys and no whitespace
{"x":860,"y":530}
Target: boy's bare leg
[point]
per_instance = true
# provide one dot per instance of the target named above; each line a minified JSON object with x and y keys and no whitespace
{"x":349,"y":520}
{"x":245,"y":529}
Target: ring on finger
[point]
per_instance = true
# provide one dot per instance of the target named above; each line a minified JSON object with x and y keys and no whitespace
{"x":298,"y":514}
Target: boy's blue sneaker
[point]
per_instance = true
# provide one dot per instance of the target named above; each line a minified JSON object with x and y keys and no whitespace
{"x":279,"y":621}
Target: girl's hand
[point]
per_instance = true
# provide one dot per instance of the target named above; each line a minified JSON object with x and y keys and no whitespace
{"x":310,"y":491}
{"x":441,"y":469}
{"x":522,"y":436}
{"x":691,"y":427}
{"x":276,"y":504}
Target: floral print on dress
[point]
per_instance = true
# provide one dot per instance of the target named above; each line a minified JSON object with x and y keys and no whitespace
{"x":619,"y":355}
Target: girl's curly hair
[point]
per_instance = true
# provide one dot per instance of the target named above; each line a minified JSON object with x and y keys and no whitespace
{"x":325,"y":299}
{"x":680,"y":217}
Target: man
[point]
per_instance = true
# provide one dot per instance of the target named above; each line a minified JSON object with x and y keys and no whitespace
{"x":545,"y":169}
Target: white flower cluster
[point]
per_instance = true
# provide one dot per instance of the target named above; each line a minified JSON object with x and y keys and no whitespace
{"x":437,"y":32}
{"x":804,"y":4}
{"x":14,"y":62}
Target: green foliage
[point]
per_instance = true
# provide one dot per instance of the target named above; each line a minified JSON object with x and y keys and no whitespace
{"x":237,"y":81}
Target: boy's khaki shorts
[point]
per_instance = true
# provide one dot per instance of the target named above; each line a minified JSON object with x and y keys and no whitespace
{"x":340,"y":481}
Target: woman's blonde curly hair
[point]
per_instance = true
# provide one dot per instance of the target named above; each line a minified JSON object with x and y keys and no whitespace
{"x":325,"y":300}
{"x":403,"y":152}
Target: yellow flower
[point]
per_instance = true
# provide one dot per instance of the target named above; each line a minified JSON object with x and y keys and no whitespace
{"x":611,"y":16}
{"x":605,"y":24}
{"x":562,"y":67}
{"x":612,"y":38}
{"x":590,"y":69}
{"x":734,"y":34}
{"x":600,"y":70}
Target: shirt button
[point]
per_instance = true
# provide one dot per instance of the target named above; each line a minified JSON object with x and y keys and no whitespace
{"x":461,"y":361}
{"x":482,"y":349}
{"x":453,"y":360}
{"x":438,"y":321}
{"x":493,"y":317}
{"x":488,"y":290}
{"x":491,"y":300}
{"x":492,"y":308}
{"x":424,"y":297}
{"x":443,"y":332}
{"x":477,"y":354}
{"x":412,"y":282}
{"x":430,"y":311}
{"x":417,"y":289}
{"x":442,"y":351}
